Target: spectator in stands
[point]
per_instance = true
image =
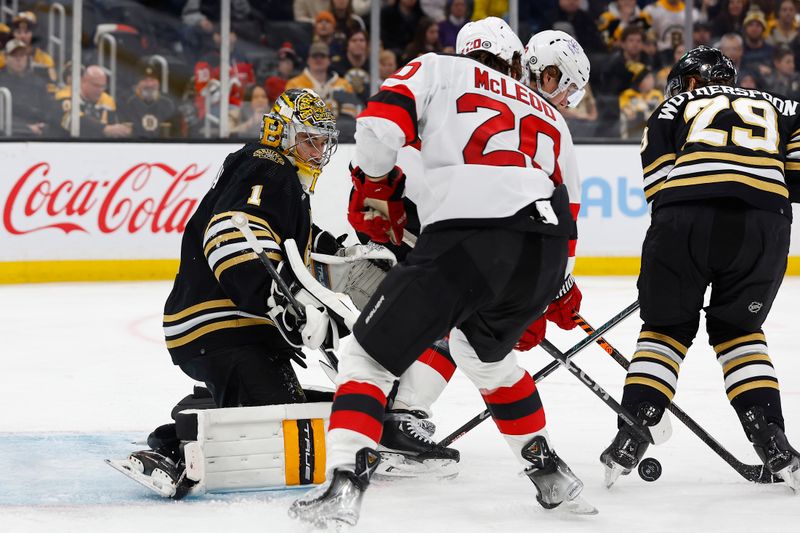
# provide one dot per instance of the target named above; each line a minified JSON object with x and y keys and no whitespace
{"x":387,"y":65}
{"x":98,"y":111}
{"x":22,"y":27}
{"x":490,"y":8}
{"x":353,"y":66}
{"x":619,"y":16}
{"x":638,"y":102}
{"x":151,"y":114}
{"x":398,"y":23}
{"x":288,"y":63}
{"x":346,"y":21}
{"x":457,"y":16}
{"x":616,"y":76}
{"x":426,"y":39}
{"x":318,"y":76}
{"x":732,"y":45}
{"x":32,"y":108}
{"x":663,"y":72}
{"x":668,"y":18}
{"x":245,"y":21}
{"x":748,"y":80}
{"x":249,"y":118}
{"x":5,"y":36}
{"x":731,"y":18}
{"x":307,"y":10}
{"x":242,"y":74}
{"x":784,"y":29}
{"x":569,"y":17}
{"x":434,"y":9}
{"x":325,"y":32}
{"x":783,"y":80}
{"x":582,"y":119}
{"x":701,"y":34}
{"x":757,"y":53}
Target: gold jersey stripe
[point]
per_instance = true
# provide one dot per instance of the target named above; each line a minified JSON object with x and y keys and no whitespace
{"x":743,"y":360}
{"x":665,"y":339}
{"x":234,"y":235}
{"x":657,"y":163}
{"x":291,"y":452}
{"x":211,"y":304}
{"x":743,"y":159}
{"x":225,"y":265}
{"x":740,"y":340}
{"x":318,"y":430}
{"x":792,"y":166}
{"x":653,"y":355}
{"x":792,"y":146}
{"x":251,"y":218}
{"x":760,"y":384}
{"x":210,"y":328}
{"x":779,"y":189}
{"x":650,"y":383}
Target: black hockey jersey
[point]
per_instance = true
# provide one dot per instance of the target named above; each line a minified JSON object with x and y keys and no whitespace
{"x":220,"y":293}
{"x":723,"y":142}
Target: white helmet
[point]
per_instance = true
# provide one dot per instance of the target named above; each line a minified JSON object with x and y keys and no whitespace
{"x":553,"y":47}
{"x":492,"y":35}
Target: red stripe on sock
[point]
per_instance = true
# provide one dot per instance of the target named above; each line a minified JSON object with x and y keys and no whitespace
{"x":358,"y":422}
{"x":516,"y":392}
{"x":438,"y":362}
{"x":522,"y":426}
{"x":359,"y":387}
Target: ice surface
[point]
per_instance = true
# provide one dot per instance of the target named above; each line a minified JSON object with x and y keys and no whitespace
{"x":83,"y":372}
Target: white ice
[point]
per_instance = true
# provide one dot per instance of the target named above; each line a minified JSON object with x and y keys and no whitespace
{"x":86,"y":363}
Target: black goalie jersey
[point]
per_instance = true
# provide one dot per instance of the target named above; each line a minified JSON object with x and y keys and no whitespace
{"x":723,"y":142}
{"x":220,"y":293}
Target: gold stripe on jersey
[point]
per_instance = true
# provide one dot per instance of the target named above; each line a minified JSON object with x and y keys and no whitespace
{"x":792,"y":166}
{"x":792,"y":146}
{"x":216,"y":326}
{"x":237,"y":234}
{"x":779,"y":189}
{"x":211,"y":304}
{"x":666,"y":158}
{"x":736,"y":158}
{"x":225,"y":265}
{"x":251,"y":218}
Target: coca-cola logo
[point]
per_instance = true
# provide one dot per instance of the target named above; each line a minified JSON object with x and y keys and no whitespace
{"x":147,"y":196}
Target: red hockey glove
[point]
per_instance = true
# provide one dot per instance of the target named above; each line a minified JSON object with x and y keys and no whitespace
{"x":376,"y":207}
{"x":565,"y":304}
{"x":533,"y":335}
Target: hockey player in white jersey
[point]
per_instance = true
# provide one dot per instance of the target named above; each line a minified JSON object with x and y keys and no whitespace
{"x":490,"y":258}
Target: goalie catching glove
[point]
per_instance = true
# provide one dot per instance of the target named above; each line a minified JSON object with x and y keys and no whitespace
{"x":376,"y":205}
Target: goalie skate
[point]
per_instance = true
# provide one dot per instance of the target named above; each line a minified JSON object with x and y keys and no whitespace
{"x":407,"y":449}
{"x":154,"y":472}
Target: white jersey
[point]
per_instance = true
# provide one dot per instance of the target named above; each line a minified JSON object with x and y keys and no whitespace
{"x":490,"y":146}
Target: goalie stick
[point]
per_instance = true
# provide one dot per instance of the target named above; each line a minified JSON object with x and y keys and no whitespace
{"x":754,"y":473}
{"x":543,"y":372}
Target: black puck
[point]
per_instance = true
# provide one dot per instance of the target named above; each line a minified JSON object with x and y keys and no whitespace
{"x":649,"y":469}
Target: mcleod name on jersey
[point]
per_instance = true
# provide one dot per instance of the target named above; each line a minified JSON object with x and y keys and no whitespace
{"x":723,"y":142}
{"x":490,"y":146}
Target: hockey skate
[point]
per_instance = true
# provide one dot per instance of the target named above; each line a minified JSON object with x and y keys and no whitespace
{"x":155,"y":471}
{"x":772,"y":447}
{"x":628,"y":448}
{"x":407,"y":449}
{"x":337,"y":502}
{"x":556,"y":485}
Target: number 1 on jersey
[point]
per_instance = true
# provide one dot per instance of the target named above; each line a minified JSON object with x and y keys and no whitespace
{"x":255,"y":195}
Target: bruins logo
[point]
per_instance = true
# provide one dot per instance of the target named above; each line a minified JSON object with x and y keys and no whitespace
{"x":263,"y":153}
{"x":313,"y":110}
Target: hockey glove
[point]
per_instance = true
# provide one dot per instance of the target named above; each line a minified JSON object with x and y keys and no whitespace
{"x":376,"y":206}
{"x":326,"y":243}
{"x":566,"y":303}
{"x":533,"y":335}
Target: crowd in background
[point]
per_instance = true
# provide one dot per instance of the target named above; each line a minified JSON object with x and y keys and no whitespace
{"x":324,"y":45}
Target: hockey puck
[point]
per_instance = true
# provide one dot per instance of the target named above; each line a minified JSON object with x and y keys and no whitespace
{"x":649,"y":469}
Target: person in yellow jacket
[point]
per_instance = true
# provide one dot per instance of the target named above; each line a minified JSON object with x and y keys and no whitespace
{"x":319,"y":77}
{"x":489,"y":8}
{"x":22,"y":27}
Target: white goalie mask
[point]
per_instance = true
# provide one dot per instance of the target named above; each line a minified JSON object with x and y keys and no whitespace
{"x":491,"y":35}
{"x":553,"y":47}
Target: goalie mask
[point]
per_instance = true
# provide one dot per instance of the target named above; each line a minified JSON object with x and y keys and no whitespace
{"x":301,"y":127}
{"x":706,"y":65}
{"x":556,"y":48}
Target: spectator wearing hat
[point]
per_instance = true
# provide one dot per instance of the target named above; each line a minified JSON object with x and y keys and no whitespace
{"x":22,"y":27}
{"x":33,"y":110}
{"x":398,"y":23}
{"x":288,"y":63}
{"x":151,"y":114}
{"x":353,"y":66}
{"x":98,"y":111}
{"x":457,"y":15}
{"x":307,"y":10}
{"x":637,"y":102}
{"x":325,"y":32}
{"x":757,"y":53}
{"x":784,"y":29}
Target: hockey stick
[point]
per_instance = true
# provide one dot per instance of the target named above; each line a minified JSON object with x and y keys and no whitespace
{"x":754,"y":473}
{"x":543,"y":372}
